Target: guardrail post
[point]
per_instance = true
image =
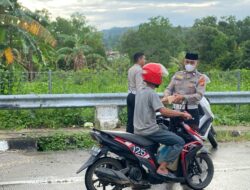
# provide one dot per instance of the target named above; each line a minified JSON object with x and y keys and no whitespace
{"x":106,"y":117}
{"x":238,"y":80}
{"x":238,"y":88}
{"x":50,"y":82}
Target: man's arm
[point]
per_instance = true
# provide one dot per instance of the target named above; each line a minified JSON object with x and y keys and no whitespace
{"x":158,"y":106}
{"x":172,"y":113}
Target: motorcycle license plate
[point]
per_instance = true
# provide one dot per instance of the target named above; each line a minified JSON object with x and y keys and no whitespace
{"x":95,"y":150}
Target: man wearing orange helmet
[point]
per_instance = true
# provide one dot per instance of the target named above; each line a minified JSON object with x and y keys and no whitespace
{"x":146,"y":104}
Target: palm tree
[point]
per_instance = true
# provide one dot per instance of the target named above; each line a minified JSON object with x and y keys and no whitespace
{"x":20,"y":34}
{"x":177,"y":62}
{"x":75,"y":52}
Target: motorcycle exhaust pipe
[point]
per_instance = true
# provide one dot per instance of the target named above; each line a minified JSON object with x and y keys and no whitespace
{"x":112,"y":176}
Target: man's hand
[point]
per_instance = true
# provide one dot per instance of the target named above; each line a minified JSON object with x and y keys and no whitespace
{"x":168,"y":99}
{"x":186,"y":115}
{"x":178,"y":99}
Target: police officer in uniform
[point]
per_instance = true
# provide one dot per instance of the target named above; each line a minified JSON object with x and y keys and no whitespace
{"x":135,"y":82}
{"x":186,"y":89}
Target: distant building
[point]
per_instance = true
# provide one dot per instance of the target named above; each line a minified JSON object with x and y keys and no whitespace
{"x":111,"y":55}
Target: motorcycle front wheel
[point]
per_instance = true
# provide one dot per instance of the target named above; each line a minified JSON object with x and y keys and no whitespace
{"x":92,"y":182}
{"x":200,"y":172}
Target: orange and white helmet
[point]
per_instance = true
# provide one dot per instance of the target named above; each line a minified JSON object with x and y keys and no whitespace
{"x":153,"y":73}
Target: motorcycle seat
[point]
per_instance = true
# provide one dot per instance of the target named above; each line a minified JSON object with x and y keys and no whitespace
{"x":137,"y":139}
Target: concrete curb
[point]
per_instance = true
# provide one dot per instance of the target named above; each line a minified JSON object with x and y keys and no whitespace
{"x":4,"y":146}
{"x":18,"y":144}
{"x":25,"y":142}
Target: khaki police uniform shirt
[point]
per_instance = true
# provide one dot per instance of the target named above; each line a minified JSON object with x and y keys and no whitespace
{"x":191,"y":85}
{"x":135,"y":81}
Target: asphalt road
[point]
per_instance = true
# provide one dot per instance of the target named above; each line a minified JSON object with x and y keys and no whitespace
{"x":56,"y":170}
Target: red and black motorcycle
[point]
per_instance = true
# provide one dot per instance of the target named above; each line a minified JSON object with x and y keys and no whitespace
{"x":127,"y":160}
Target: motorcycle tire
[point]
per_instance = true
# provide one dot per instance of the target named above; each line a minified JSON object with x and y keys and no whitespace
{"x":193,"y":171}
{"x":212,"y":140}
{"x":110,"y":162}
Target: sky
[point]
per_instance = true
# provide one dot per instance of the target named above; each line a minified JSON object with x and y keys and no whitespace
{"x":105,"y":14}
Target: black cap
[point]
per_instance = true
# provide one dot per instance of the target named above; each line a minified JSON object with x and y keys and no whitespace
{"x":192,"y":56}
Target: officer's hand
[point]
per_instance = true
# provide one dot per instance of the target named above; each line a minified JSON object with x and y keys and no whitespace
{"x":186,"y":115}
{"x":165,"y":99}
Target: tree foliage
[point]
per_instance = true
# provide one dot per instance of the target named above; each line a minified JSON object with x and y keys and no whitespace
{"x":156,"y":38}
{"x":221,"y":43}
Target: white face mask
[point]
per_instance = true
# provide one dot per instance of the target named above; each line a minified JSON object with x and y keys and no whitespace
{"x":190,"y":68}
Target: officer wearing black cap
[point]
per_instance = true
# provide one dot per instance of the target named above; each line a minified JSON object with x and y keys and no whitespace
{"x":186,"y":89}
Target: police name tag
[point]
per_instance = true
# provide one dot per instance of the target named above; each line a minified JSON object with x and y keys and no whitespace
{"x":179,"y":106}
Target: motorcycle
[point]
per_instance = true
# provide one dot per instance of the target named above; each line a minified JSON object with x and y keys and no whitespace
{"x":206,"y":129}
{"x":206,"y":115}
{"x":127,"y":160}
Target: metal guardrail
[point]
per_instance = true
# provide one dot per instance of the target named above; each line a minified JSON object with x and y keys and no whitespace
{"x":229,"y":97}
{"x":33,"y":101}
{"x":61,"y":100}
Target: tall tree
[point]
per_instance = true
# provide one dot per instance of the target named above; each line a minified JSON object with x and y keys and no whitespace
{"x":245,"y":60}
{"x":21,"y":34}
{"x":156,"y":38}
{"x":244,"y":29}
{"x":73,"y":55}
{"x":209,"y":42}
{"x":79,"y":44}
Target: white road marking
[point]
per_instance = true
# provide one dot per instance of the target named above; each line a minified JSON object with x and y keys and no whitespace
{"x":45,"y":180}
{"x":61,"y":180}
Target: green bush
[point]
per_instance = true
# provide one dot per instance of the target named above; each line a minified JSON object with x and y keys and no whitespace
{"x":61,"y":141}
{"x":231,"y":114}
{"x":123,"y":116}
{"x":45,"y":118}
{"x":111,"y":81}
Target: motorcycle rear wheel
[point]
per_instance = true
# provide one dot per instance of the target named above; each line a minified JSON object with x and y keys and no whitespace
{"x":92,"y":182}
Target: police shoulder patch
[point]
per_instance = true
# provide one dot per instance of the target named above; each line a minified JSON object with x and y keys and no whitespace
{"x":202,"y":80}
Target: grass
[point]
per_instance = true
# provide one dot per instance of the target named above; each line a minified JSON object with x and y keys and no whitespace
{"x":62,"y":141}
{"x":76,"y":117}
{"x":92,"y":81}
{"x":46,"y":118}
{"x":226,"y":136}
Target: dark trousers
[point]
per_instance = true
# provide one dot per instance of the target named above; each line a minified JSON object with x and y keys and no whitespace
{"x":130,"y":109}
{"x":194,"y":123}
{"x":173,"y":143}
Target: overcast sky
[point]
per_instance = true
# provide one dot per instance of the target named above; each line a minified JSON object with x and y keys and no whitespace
{"x":104,"y":14}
